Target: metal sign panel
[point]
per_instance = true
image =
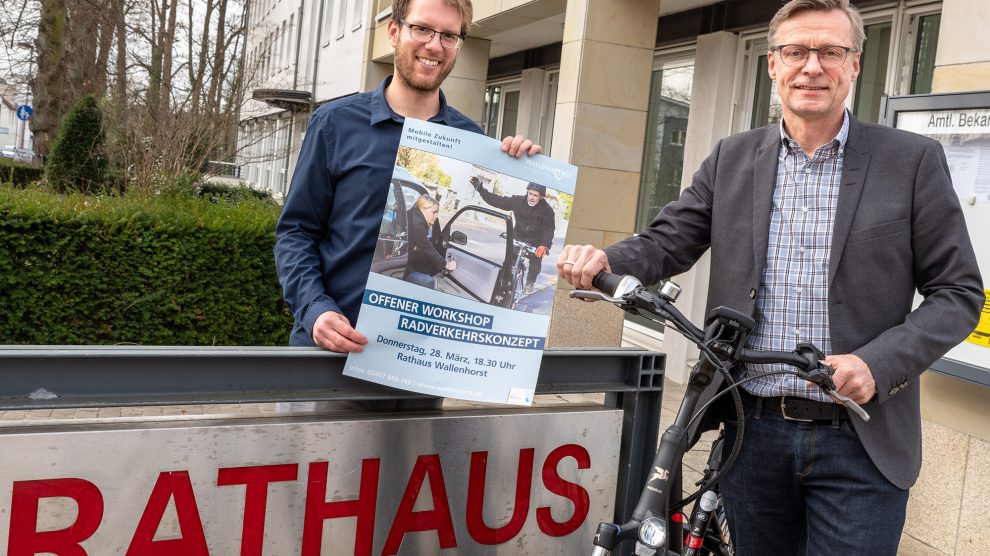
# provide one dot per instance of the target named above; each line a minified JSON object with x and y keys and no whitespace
{"x":473,"y":482}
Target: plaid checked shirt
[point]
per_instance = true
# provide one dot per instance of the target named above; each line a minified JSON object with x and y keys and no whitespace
{"x":792,"y":305}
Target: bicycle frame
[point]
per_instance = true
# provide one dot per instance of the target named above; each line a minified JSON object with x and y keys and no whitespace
{"x":520,"y":267}
{"x":664,"y":476}
{"x":722,"y":344}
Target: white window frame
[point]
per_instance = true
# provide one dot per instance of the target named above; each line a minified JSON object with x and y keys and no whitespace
{"x":508,"y":84}
{"x":548,"y":109}
{"x":341,"y":19}
{"x":328,"y":19}
{"x":357,"y":17}
{"x":905,"y":29}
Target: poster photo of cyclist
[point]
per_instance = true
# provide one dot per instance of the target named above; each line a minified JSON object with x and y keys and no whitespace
{"x":459,"y":297}
{"x":461,"y":228}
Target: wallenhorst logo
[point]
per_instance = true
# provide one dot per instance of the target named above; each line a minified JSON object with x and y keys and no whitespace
{"x":558,"y":173}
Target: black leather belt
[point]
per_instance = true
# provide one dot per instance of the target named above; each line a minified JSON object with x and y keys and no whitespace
{"x":802,"y":409}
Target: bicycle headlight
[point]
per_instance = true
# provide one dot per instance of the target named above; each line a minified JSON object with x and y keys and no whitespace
{"x":653,"y":532}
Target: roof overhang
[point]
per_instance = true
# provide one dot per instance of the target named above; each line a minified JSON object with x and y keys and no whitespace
{"x":286,"y":99}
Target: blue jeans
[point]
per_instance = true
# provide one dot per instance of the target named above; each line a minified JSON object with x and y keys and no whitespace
{"x":807,"y":489}
{"x":422,"y":279}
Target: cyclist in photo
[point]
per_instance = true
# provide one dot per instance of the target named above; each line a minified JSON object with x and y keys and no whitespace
{"x":823,"y":228}
{"x":533,"y":222}
{"x":425,"y":260}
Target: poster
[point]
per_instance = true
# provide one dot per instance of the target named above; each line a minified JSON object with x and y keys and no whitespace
{"x":965,"y":136}
{"x":981,"y":335}
{"x":458,"y":300}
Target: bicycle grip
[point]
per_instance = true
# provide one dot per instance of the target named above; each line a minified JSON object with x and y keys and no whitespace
{"x":606,"y":282}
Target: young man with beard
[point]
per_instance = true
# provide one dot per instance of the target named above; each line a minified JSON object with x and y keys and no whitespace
{"x":329,"y":226}
{"x":823,"y":228}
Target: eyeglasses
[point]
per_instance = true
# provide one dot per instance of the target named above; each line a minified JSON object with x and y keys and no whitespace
{"x":425,"y":34}
{"x":796,"y":55}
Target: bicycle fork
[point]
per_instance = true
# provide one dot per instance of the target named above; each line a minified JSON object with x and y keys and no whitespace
{"x":708,"y":513}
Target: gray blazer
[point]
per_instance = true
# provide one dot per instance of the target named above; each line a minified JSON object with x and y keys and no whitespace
{"x":898,"y":228}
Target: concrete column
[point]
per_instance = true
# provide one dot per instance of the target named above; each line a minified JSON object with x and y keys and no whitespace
{"x":530,"y":102}
{"x":709,"y":120}
{"x":602,"y":100}
{"x":465,"y":86}
{"x":962,"y":60}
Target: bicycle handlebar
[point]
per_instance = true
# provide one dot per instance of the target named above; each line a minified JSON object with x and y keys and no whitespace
{"x":524,"y":246}
{"x":629,"y":294}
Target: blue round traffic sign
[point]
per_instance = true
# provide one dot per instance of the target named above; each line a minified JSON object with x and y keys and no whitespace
{"x":24,"y":112}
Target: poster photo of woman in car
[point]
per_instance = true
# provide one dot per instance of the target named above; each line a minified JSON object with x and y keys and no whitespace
{"x":464,"y":229}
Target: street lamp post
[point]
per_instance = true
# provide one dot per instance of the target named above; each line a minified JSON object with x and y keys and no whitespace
{"x":27,"y":101}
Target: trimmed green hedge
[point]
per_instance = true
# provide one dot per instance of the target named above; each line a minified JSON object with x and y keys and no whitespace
{"x":19,"y":174}
{"x":217,"y":192}
{"x":171,"y":269}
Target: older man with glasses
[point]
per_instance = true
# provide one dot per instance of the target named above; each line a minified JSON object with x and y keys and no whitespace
{"x":823,"y":228}
{"x":329,"y":226}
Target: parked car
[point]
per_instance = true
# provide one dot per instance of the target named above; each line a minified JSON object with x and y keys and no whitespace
{"x":20,"y":155}
{"x":478,"y":238}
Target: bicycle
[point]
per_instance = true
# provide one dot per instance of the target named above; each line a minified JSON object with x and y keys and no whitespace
{"x":656,"y":523}
{"x":521,"y":251}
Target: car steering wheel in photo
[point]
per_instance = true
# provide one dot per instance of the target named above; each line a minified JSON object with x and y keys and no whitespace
{"x":493,"y":232}
{"x":658,"y":524}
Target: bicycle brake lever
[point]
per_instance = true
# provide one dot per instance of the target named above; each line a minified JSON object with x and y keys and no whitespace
{"x":823,"y":379}
{"x":851,"y":405}
{"x":598,"y":296}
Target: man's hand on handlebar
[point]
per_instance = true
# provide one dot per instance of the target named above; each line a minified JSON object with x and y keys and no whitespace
{"x":578,"y":264}
{"x":332,"y":331}
{"x":852,"y":377}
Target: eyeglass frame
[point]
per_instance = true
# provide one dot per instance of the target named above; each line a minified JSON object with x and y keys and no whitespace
{"x":457,"y":45}
{"x":817,"y":52}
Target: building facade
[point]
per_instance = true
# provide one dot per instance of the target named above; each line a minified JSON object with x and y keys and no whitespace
{"x":13,"y":131}
{"x":636,"y":93}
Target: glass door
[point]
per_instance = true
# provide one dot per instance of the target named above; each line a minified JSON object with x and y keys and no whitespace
{"x":663,"y":149}
{"x":501,"y":109}
{"x":666,"y":131}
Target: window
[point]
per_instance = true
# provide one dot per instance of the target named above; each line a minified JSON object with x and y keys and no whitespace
{"x":502,"y":109}
{"x":341,"y":14}
{"x":549,"y":109}
{"x":924,"y":53}
{"x":663,"y":146}
{"x":873,"y":71}
{"x":358,"y":15}
{"x":666,"y":130}
{"x":493,"y":102}
{"x":328,"y":20}
{"x":288,"y":40}
{"x":765,"y":107}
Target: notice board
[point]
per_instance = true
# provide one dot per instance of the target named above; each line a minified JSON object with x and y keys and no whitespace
{"x":961,"y":123}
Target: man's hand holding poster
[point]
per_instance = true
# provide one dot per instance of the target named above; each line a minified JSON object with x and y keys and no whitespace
{"x":458,"y":300}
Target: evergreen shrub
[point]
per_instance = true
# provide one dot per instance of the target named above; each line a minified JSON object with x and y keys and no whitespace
{"x":19,"y":174}
{"x":77,"y":161}
{"x":168,"y":269}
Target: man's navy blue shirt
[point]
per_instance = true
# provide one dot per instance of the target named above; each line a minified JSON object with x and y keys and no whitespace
{"x":329,"y":226}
